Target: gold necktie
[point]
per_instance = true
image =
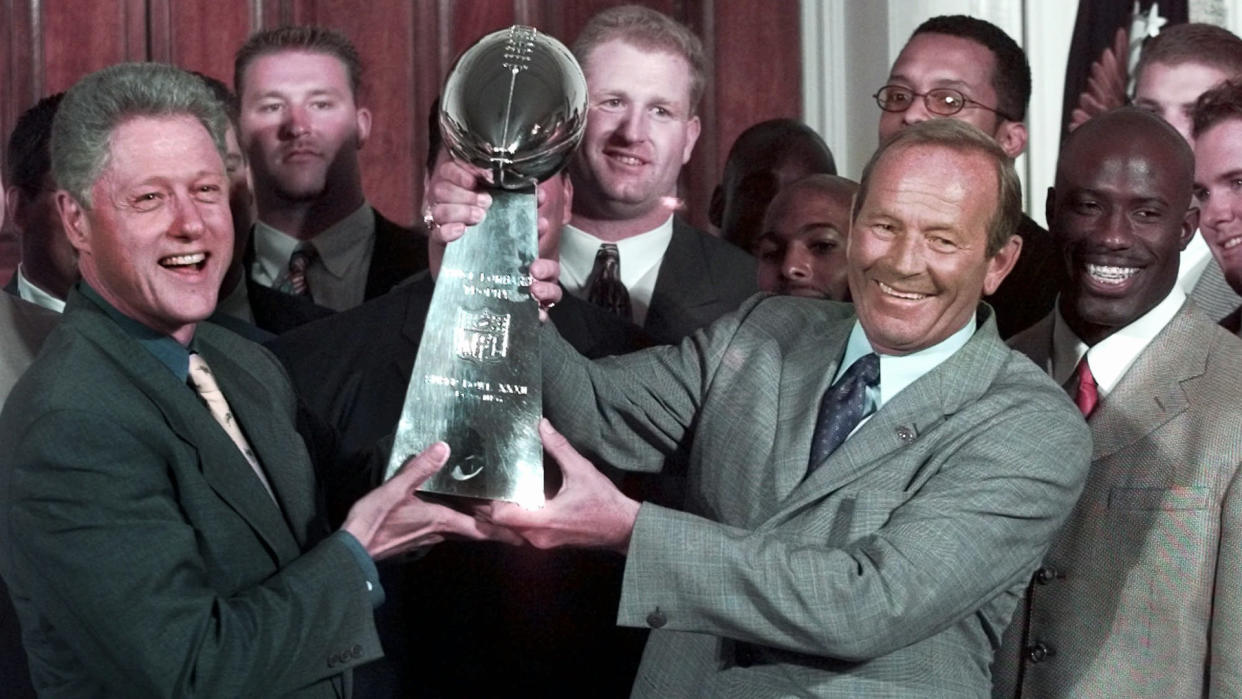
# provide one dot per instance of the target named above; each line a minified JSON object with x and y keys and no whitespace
{"x":205,"y":383}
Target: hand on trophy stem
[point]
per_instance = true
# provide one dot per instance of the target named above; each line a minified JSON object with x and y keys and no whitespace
{"x":588,"y":511}
{"x":391,"y":519}
{"x":545,"y":289}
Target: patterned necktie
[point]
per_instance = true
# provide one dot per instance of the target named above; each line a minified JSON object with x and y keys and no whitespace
{"x":604,"y":287}
{"x":1088,"y":395}
{"x":843,"y":406}
{"x":205,"y":384}
{"x":302,"y":257}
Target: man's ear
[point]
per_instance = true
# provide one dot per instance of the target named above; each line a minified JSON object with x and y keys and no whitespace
{"x":1190,"y":224}
{"x":715,"y":210}
{"x":1001,"y":264}
{"x":1011,"y":135}
{"x":567,"y":213}
{"x":74,"y":220}
{"x":13,"y":206}
{"x":693,"y":127}
{"x":363,"y":118}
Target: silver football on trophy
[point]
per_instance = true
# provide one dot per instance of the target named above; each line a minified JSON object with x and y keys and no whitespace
{"x":516,"y":104}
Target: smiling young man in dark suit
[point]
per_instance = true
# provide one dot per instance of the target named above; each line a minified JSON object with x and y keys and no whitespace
{"x":644,"y":74}
{"x":163,"y":534}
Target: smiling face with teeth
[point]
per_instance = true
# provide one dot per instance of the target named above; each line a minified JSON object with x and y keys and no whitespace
{"x":158,"y":238}
{"x":918,"y":262}
{"x":1120,"y":215}
{"x":1218,"y":185}
{"x":640,"y":131}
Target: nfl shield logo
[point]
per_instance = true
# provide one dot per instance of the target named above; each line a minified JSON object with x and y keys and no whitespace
{"x":482,"y":336}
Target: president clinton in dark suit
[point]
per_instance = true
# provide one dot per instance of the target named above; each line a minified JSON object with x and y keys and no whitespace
{"x":153,"y":548}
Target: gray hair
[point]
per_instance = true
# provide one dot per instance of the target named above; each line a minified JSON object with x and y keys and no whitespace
{"x":100,"y":102}
{"x":962,"y":137}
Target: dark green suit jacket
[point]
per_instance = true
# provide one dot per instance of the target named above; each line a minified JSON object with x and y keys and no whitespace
{"x":142,"y":554}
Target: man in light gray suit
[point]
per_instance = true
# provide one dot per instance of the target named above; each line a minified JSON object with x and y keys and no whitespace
{"x":870,"y":486}
{"x":1141,"y":593}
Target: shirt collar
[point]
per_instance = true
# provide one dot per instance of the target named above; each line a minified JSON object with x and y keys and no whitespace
{"x":1111,"y":357}
{"x":27,"y":290}
{"x":899,"y":371}
{"x":168,"y":351}
{"x":274,"y":247}
{"x":638,"y":253}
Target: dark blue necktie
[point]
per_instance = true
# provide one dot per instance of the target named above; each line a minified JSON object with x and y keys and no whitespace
{"x":843,"y":406}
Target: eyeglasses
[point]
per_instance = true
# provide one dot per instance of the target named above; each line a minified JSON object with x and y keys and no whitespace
{"x":941,"y":101}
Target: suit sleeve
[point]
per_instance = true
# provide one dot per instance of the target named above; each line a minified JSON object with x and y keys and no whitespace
{"x":632,"y":411}
{"x":971,"y":532}
{"x":1225,"y":664}
{"x":110,"y":558}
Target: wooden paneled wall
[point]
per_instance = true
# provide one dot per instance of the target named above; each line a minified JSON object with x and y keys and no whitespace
{"x":408,"y":46}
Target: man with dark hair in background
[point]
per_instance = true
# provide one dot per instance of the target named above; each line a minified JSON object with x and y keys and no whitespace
{"x":764,"y":158}
{"x":23,"y":326}
{"x":801,"y":245}
{"x":965,"y":68}
{"x":49,"y":265}
{"x":1177,"y":66}
{"x":1218,"y":167}
{"x":302,"y":126}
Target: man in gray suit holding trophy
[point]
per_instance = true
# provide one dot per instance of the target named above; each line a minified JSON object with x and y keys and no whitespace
{"x":870,"y":486}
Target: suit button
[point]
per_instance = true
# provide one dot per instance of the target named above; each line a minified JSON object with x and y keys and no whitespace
{"x":656,"y":619}
{"x":905,"y":434}
{"x":1039,"y":651}
{"x":1047,"y":574}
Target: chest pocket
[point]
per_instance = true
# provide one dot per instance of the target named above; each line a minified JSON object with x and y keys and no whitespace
{"x":863,"y":513}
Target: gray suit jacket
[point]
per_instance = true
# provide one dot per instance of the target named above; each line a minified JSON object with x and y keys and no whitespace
{"x":889,"y":570}
{"x":23,"y":326}
{"x":1146,"y":597}
{"x":142,"y":557}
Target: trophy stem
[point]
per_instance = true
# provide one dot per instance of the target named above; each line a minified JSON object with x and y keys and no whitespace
{"x":476,"y":379}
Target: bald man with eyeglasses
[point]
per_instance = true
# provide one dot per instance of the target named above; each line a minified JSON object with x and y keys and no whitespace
{"x":965,"y":68}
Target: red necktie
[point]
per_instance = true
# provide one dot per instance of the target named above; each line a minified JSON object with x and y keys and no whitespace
{"x":1088,"y":395}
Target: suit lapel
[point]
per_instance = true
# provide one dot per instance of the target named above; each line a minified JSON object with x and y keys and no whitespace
{"x":1150,"y":393}
{"x":1036,"y":343}
{"x":680,"y":288}
{"x":281,"y":454}
{"x":916,"y":410}
{"x":398,"y":253}
{"x":416,"y":309}
{"x":805,"y":374}
{"x":222,"y":464}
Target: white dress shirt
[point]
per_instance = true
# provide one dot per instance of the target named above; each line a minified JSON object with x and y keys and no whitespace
{"x":29,"y":292}
{"x":338,"y":276}
{"x":640,"y":256}
{"x":1191,"y":263}
{"x":1111,"y":357}
{"x":898,"y":371}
